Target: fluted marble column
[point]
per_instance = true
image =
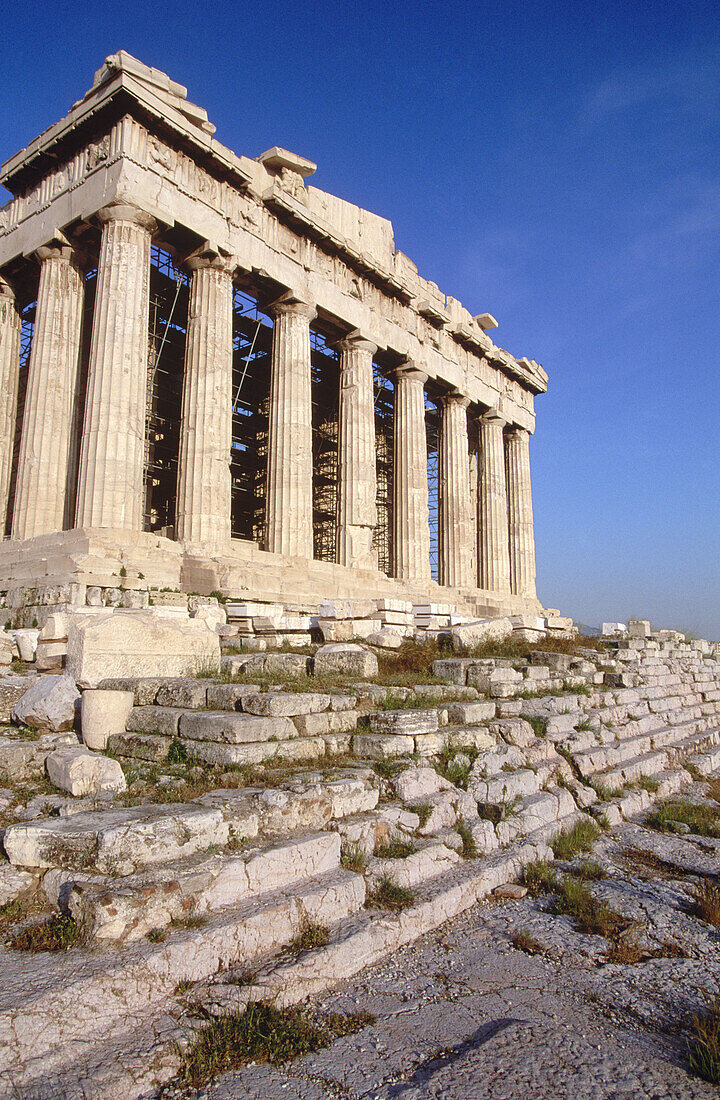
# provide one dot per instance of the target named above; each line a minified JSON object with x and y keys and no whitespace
{"x":289,"y":503}
{"x":493,"y":547}
{"x":10,"y":325}
{"x":110,"y":484}
{"x":455,"y":520}
{"x":43,"y":477}
{"x":204,"y":487}
{"x":411,"y":519}
{"x":520,"y":514}
{"x":357,"y":476}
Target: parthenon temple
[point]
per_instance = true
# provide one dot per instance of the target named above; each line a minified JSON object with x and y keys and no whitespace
{"x":215,"y":377}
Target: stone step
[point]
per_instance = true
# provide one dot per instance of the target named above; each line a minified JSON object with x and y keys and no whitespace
{"x":430,"y":860}
{"x":371,"y":934}
{"x":546,"y":809}
{"x":126,"y":909}
{"x":117,"y":841}
{"x":309,"y":802}
{"x":647,"y":764}
{"x":82,"y":995}
{"x":296,"y":750}
{"x":707,"y":762}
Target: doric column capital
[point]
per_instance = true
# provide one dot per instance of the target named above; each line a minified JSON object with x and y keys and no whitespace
{"x":292,"y":303}
{"x":56,"y":247}
{"x":127,"y":212}
{"x":516,"y":432}
{"x":210,"y":256}
{"x":6,"y":290}
{"x":410,"y":371}
{"x":454,"y":397}
{"x":355,"y":341}
{"x":492,"y":416}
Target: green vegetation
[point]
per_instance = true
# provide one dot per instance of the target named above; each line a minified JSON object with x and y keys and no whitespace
{"x":58,"y":933}
{"x":353,"y":858}
{"x":706,"y":900}
{"x":702,"y":819}
{"x":312,"y":935}
{"x":580,"y":838}
{"x":395,"y":849}
{"x":261,"y":1033}
{"x":388,"y":895}
{"x":469,"y":847}
{"x":538,"y":722}
{"x":525,"y":941}
{"x":704,"y":1042}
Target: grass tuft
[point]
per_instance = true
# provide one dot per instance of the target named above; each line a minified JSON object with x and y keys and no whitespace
{"x":388,"y":895}
{"x":395,"y":849}
{"x":469,"y":847}
{"x":701,"y":819}
{"x":706,"y":901}
{"x":580,"y":838}
{"x":704,"y":1042}
{"x":525,"y":941}
{"x":261,"y":1033}
{"x":312,"y":935}
{"x":353,"y":858}
{"x":539,"y":877}
{"x":58,"y":933}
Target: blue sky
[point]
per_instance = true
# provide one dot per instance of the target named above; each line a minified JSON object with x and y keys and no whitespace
{"x":555,"y":164}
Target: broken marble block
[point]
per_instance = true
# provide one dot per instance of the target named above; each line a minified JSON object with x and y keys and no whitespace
{"x":80,"y":772}
{"x":49,"y":703}
{"x":346,"y":659}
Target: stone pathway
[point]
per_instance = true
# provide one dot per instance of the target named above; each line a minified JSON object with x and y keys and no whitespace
{"x":463,"y":1014}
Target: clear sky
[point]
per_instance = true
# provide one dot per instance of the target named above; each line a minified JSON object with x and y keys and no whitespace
{"x":555,"y":164}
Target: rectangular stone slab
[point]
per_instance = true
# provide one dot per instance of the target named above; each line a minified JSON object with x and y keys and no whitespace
{"x":117,"y":842}
{"x":127,"y":908}
{"x":155,"y":719}
{"x":234,"y":729}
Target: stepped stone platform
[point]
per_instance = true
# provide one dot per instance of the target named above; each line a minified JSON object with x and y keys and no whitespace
{"x":205,"y":867}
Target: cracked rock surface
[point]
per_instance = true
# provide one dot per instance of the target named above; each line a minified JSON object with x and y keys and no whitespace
{"x":462,"y":1013}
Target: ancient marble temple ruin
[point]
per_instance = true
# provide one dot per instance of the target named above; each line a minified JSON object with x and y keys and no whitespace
{"x":214,"y":376}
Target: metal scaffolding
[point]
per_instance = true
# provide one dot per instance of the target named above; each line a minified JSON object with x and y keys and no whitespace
{"x":169,"y":299}
{"x":27,"y":328}
{"x":432,"y":430}
{"x":325,"y":367}
{"x":384,"y":417}
{"x":252,"y":348}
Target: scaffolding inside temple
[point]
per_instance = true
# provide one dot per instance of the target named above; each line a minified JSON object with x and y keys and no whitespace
{"x":432,"y":432}
{"x":169,"y":299}
{"x":252,"y":350}
{"x":325,"y":370}
{"x":384,"y":416}
{"x":27,"y":327}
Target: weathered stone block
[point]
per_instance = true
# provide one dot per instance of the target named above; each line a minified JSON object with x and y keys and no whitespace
{"x":154,"y":719}
{"x":49,"y":703}
{"x":80,"y":772}
{"x":403,"y":721}
{"x":233,"y":728}
{"x":275,"y":704}
{"x":137,"y":643}
{"x":471,"y":714}
{"x":139,"y":746}
{"x":469,"y":635}
{"x":183,"y":693}
{"x":345,"y":660}
{"x":116,"y":842}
